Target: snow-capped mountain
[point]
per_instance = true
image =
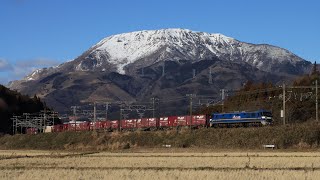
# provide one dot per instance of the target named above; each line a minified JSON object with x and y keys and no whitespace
{"x":144,"y":48}
{"x":129,"y":66}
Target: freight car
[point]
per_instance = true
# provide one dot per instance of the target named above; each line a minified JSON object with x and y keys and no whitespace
{"x":262,"y":117}
{"x":170,"y":122}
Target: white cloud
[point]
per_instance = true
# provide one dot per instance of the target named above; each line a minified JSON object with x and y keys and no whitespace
{"x":4,"y":65}
{"x":20,"y":69}
{"x":39,"y":62}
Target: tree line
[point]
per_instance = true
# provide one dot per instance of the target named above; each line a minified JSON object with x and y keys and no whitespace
{"x":14,"y":103}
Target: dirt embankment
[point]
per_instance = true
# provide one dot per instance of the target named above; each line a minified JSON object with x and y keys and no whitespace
{"x":299,"y":136}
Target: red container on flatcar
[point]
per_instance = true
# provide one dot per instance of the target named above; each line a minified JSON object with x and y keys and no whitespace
{"x":181,"y":121}
{"x":100,"y":125}
{"x":152,"y":122}
{"x":172,"y":121}
{"x":58,"y":128}
{"x":189,"y":120}
{"x":105,"y":124}
{"x":144,"y":122}
{"x":123,"y":123}
{"x":32,"y":131}
{"x":65,"y":127}
{"x":138,"y":123}
{"x":130,"y":123}
{"x":163,"y":122}
{"x":114,"y":124}
{"x":84,"y":126}
{"x":199,"y":120}
{"x":93,"y":125}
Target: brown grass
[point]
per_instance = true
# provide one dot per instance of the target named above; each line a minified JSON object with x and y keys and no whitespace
{"x":164,"y":165}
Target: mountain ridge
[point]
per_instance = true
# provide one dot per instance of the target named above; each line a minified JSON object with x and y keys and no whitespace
{"x":103,"y":58}
{"x":158,"y":61}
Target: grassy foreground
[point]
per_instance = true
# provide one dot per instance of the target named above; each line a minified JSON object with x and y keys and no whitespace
{"x":26,"y":164}
{"x":298,"y":136}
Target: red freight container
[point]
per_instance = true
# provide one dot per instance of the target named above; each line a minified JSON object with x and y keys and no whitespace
{"x":144,"y":122}
{"x":100,"y":125}
{"x":130,"y":123}
{"x":152,"y":122}
{"x":163,"y":122}
{"x":84,"y":126}
{"x":74,"y":127}
{"x":58,"y":128}
{"x":189,"y":121}
{"x":199,"y":120}
{"x":181,"y":120}
{"x":172,"y":121}
{"x":93,"y":125}
{"x":123,"y":123}
{"x":105,"y":124}
{"x":114,"y":124}
{"x":138,"y":123}
{"x":65,"y":127}
{"x":32,"y":131}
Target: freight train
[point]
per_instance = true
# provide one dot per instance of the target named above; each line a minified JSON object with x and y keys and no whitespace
{"x":260,"y":117}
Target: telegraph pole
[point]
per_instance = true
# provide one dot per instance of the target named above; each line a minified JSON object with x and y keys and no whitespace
{"x":75,"y":115}
{"x":119,"y":126}
{"x":284,"y":102}
{"x":190,"y":110}
{"x":317,"y":100}
{"x":222,"y":98}
{"x":153,"y":108}
{"x":94,"y":112}
{"x":107,"y":107}
{"x":94,"y":115}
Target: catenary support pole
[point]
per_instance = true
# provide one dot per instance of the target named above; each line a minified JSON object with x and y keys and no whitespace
{"x":284,"y":102}
{"x":317,"y":100}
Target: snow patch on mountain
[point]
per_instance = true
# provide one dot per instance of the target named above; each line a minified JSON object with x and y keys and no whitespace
{"x":124,"y":49}
{"x":118,"y":51}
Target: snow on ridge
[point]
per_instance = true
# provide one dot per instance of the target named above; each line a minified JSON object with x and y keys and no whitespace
{"x":32,"y":75}
{"x":126,"y":48}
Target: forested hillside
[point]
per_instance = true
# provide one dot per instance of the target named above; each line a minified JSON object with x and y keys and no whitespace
{"x":14,"y":103}
{"x":300,"y":99}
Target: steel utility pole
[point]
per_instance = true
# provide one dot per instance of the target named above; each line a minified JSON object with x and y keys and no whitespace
{"x":75,"y":116}
{"x":153,"y":107}
{"x":94,"y":112}
{"x":317,"y":100}
{"x":74,"y":108}
{"x":222,"y":98}
{"x":284,"y":102}
{"x":107,"y":107}
{"x":190,"y":96}
{"x":119,"y":125}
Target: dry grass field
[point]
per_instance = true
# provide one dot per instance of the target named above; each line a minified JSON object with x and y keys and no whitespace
{"x":162,"y":164}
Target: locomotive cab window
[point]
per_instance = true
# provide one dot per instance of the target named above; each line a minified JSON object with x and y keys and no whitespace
{"x":267,"y":114}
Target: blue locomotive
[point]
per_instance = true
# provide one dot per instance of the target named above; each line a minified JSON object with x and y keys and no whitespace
{"x":262,"y":117}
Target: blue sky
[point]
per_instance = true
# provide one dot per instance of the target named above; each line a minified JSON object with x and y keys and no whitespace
{"x":40,"y":33}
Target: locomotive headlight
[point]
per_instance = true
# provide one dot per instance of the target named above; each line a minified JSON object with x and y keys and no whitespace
{"x":263,"y":117}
